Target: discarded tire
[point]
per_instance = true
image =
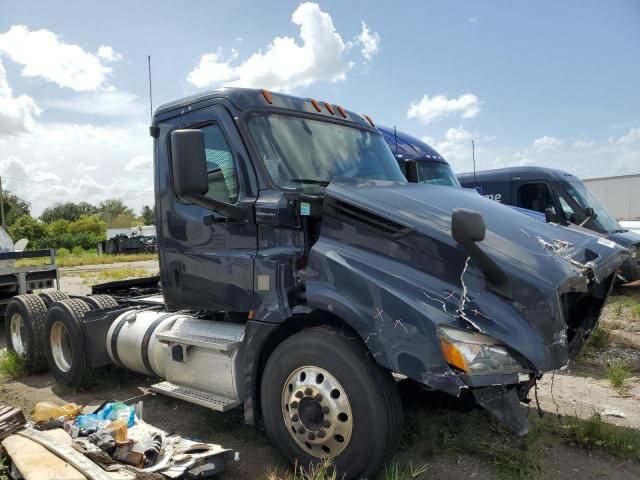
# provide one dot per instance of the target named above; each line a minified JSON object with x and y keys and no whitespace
{"x":100,"y":302}
{"x":24,"y":330}
{"x":322,"y":396}
{"x":65,"y":345}
{"x":51,"y":296}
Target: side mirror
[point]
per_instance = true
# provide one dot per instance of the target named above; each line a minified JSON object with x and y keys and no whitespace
{"x":188,"y":163}
{"x":550,"y":216}
{"x":190,"y":180}
{"x":589,"y":212}
{"x":467,"y":226}
{"x":411,"y":171}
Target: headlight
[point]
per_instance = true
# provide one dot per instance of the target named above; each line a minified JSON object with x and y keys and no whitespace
{"x":477,"y":354}
{"x":634,"y":251}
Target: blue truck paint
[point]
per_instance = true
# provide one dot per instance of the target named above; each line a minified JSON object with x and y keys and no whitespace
{"x":503,"y":185}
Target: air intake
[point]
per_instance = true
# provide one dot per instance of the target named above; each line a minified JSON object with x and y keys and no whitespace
{"x":366,"y":219}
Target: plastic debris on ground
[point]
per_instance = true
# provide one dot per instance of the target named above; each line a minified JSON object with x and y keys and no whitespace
{"x":114,"y":437}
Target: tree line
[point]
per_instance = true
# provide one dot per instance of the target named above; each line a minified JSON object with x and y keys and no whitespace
{"x":70,"y":225}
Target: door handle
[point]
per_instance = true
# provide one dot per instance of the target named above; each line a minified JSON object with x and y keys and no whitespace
{"x":212,"y":219}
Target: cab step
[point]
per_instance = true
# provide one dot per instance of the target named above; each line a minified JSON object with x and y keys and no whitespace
{"x":205,"y":399}
{"x":219,"y":336}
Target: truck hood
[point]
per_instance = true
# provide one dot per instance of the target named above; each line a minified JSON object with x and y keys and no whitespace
{"x":387,"y":247}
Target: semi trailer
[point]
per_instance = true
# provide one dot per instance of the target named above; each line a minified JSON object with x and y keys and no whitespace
{"x":301,"y":275}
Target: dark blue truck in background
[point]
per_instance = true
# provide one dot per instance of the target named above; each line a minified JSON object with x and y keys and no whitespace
{"x":562,"y":197}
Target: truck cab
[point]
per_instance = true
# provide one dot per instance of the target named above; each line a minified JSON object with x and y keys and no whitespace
{"x":431,"y":167}
{"x":562,"y":197}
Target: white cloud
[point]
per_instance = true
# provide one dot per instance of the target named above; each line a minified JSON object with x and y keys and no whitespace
{"x":368,"y":41}
{"x":110,"y":102}
{"x":428,"y":108}
{"x":57,"y":162}
{"x":547,"y":143}
{"x":17,"y":114}
{"x":583,"y":143}
{"x":632,"y":136}
{"x":43,"y":54}
{"x":140,"y":162}
{"x":287,"y":63}
{"x":109,"y":54}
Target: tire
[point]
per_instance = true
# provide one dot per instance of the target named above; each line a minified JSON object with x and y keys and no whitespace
{"x":100,"y":302}
{"x":24,"y":330}
{"x":357,"y":397}
{"x":65,"y":344}
{"x":52,"y":296}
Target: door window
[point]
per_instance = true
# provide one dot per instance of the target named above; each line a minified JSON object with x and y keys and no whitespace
{"x":535,"y":196}
{"x":221,"y":171}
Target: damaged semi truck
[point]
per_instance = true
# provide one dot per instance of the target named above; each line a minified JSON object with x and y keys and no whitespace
{"x":300,"y":273}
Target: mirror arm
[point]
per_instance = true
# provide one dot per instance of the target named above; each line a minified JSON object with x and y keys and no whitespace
{"x":232,"y":212}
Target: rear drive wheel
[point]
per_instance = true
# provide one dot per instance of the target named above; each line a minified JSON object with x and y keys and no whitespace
{"x":100,"y":302}
{"x":65,"y":344}
{"x":24,"y":330}
{"x":322,"y":396}
{"x":50,"y":296}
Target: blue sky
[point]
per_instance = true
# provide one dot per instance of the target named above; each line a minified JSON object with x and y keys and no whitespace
{"x":534,"y":83}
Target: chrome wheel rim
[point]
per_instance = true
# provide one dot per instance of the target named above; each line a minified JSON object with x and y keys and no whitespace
{"x":61,"y":346}
{"x":18,"y":334}
{"x":317,"y":412}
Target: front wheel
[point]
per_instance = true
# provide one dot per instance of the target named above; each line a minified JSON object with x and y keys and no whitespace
{"x":323,"y":397}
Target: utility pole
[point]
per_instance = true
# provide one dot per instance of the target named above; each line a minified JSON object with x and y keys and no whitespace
{"x":4,"y":225}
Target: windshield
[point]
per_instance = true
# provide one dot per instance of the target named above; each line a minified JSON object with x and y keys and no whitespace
{"x":304,"y":154}
{"x":436,"y":173}
{"x":575,"y":197}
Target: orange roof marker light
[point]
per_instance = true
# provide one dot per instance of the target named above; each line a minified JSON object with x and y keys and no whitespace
{"x":342,"y":111}
{"x":368,"y":118}
{"x":329,"y":108}
{"x":267,"y":96}
{"x":316,"y":105}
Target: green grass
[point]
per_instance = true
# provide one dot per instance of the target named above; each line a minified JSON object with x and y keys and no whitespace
{"x":617,"y":308}
{"x":321,"y":471}
{"x":4,"y":468}
{"x":618,"y":372}
{"x":395,"y":471}
{"x":12,"y":367}
{"x":599,"y":337}
{"x":89,"y":258}
{"x":113,"y":274}
{"x":595,"y":433}
{"x":635,"y":310}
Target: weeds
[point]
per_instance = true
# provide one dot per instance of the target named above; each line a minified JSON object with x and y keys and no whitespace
{"x":617,"y":308}
{"x":12,"y":366}
{"x":596,"y":433}
{"x":618,"y":372}
{"x":635,"y":310}
{"x":88,"y":258}
{"x":599,"y":337}
{"x":395,"y":471}
{"x":320,"y":471}
{"x":116,"y":274}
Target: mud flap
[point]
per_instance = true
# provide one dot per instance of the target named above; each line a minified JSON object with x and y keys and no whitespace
{"x":504,"y":404}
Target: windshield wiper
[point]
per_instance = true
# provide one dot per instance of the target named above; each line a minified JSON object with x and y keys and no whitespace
{"x":311,"y":181}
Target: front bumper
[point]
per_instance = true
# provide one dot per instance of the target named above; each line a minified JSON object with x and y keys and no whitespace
{"x":630,"y":270}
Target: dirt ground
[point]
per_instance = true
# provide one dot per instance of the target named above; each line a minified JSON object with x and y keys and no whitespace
{"x":453,"y":439}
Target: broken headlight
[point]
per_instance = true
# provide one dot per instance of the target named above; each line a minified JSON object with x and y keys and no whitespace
{"x":634,"y":251}
{"x":477,"y":354}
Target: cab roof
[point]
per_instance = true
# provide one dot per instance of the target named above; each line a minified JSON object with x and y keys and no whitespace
{"x":408,"y":147}
{"x":248,"y":98}
{"x":517,"y":173}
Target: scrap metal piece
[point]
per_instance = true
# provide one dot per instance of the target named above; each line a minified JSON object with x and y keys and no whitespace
{"x":11,"y":419}
{"x":504,"y":404}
